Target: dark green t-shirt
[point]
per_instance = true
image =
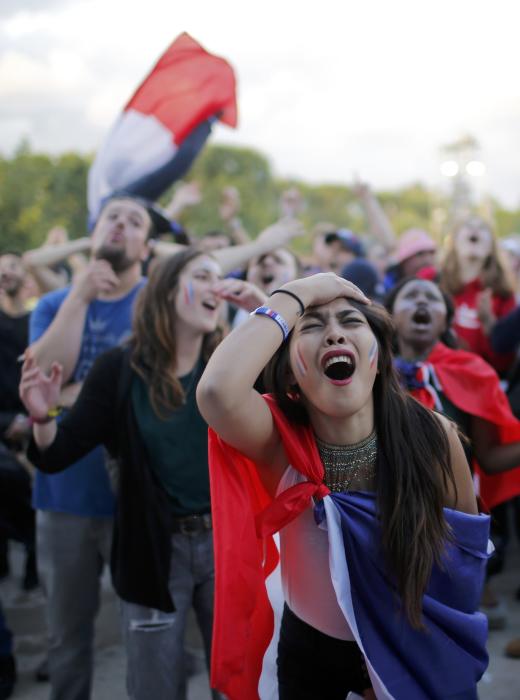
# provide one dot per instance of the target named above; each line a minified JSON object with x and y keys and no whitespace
{"x":177,"y":447}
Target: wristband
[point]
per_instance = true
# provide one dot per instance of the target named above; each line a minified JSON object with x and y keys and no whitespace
{"x":291,"y":294}
{"x":51,"y":415}
{"x":266,"y":311}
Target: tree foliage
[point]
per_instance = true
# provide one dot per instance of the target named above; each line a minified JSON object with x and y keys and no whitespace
{"x":38,"y":191}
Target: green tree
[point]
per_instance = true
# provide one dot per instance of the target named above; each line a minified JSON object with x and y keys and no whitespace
{"x":37,"y":192}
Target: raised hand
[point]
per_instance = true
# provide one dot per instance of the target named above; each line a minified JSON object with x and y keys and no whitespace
{"x":243,"y":294}
{"x":283,"y":231}
{"x":229,"y":204}
{"x":186,"y":195}
{"x":485,"y":310}
{"x":361,"y":190}
{"x":96,"y":278}
{"x":39,"y":393}
{"x":291,"y":203}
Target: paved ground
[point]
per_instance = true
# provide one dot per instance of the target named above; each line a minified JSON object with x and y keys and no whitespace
{"x":26,"y":616}
{"x":502,"y":679}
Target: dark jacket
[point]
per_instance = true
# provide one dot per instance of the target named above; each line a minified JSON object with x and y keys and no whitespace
{"x":103,"y":414}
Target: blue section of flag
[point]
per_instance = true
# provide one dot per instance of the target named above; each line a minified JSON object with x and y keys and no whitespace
{"x":154,"y":183}
{"x":447,"y":659}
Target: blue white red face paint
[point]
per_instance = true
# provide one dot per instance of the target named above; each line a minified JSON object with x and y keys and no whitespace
{"x":189,"y":294}
{"x":300,"y":362}
{"x":372,"y":353}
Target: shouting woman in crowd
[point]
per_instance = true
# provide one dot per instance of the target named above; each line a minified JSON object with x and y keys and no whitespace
{"x":455,"y":382}
{"x":475,"y":274}
{"x":139,"y":402}
{"x":382,"y":549}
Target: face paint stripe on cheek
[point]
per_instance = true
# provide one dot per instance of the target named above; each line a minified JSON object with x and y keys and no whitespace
{"x":372,"y":355}
{"x":300,"y":362}
{"x":188,"y":293}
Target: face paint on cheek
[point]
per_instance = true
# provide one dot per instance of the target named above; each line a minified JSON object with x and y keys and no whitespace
{"x":372,"y":354}
{"x":188,"y":293}
{"x":300,"y":362}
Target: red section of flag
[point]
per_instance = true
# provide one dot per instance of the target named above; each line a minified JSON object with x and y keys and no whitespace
{"x":244,"y":518}
{"x":186,"y":86}
{"x":473,"y":386}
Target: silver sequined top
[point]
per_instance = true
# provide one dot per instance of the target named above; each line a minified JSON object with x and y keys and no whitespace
{"x":346,"y":464}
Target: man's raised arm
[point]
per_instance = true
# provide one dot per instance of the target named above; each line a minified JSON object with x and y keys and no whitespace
{"x":57,"y":334}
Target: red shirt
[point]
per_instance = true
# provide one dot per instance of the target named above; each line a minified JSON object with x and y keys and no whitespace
{"x":469,"y":329}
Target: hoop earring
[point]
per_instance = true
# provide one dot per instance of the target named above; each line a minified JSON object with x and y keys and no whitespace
{"x":293,"y":394}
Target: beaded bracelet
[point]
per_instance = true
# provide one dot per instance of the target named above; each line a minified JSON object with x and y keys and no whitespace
{"x":291,"y":294}
{"x":52,"y":414}
{"x":275,"y":316}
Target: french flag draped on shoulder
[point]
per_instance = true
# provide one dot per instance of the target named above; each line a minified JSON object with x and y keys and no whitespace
{"x":447,"y":658}
{"x":165,"y":124}
{"x":456,"y":373}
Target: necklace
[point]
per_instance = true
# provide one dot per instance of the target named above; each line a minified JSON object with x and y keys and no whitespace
{"x":344,"y":463}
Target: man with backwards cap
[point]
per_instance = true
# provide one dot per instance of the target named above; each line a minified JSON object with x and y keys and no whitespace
{"x":73,"y":326}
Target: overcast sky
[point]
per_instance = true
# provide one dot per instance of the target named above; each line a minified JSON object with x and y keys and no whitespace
{"x":326,"y":89}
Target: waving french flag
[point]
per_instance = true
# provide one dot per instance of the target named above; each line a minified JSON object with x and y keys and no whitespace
{"x":165,"y":123}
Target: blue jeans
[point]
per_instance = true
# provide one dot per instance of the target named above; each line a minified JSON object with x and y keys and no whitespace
{"x":72,"y":550}
{"x":154,"y":640}
{"x":6,"y":638}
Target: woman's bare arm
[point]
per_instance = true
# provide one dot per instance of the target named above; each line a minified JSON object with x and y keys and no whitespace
{"x":226,"y":395}
{"x":462,"y":497}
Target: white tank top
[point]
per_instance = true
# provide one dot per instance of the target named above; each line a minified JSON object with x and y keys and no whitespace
{"x":306,"y":580}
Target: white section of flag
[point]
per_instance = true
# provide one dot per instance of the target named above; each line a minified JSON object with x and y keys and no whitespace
{"x":341,"y":582}
{"x":136,"y":145}
{"x":268,"y":683}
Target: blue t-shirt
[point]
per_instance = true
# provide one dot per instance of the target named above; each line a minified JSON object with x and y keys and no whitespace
{"x":84,"y":488}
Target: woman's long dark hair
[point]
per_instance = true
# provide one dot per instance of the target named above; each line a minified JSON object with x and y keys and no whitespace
{"x":153,"y":342}
{"x":413,"y":469}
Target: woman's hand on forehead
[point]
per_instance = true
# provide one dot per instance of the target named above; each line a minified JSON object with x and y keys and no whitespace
{"x":323,"y":288}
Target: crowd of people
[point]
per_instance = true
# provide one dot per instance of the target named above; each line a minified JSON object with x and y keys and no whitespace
{"x":331,"y":533}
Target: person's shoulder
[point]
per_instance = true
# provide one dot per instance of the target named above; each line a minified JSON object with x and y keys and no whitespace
{"x":123,"y":301}
{"x":472,"y":362}
{"x":45,"y":311}
{"x":138,"y":286}
{"x":52,"y":300}
{"x":465,"y":359}
{"x":446,"y":423}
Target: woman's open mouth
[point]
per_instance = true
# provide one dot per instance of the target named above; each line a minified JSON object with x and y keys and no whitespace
{"x":339,"y":366}
{"x":210,"y":305}
{"x":422,"y":317}
{"x":267,"y":279}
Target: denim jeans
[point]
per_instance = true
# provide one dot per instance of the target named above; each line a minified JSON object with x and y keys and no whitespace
{"x":71,"y":553}
{"x":154,"y":640}
{"x":6,"y":638}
